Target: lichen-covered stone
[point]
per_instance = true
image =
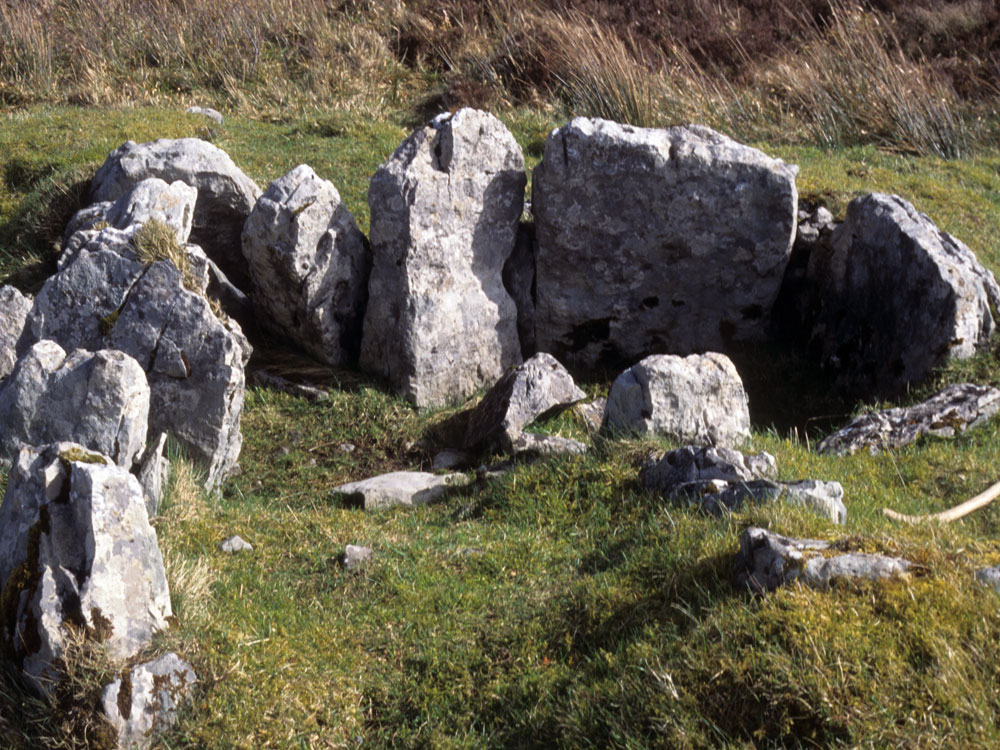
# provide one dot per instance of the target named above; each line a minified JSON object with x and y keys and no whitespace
{"x":309,"y":266}
{"x":653,"y":241}
{"x":144,"y":702}
{"x":444,"y":217}
{"x":99,"y":399}
{"x":695,"y":399}
{"x":894,"y":297}
{"x":76,"y":550}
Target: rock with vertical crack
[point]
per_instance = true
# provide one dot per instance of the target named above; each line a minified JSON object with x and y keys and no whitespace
{"x":98,"y":399}
{"x":145,"y":699}
{"x":309,"y":265}
{"x":76,"y":551}
{"x":444,"y":215}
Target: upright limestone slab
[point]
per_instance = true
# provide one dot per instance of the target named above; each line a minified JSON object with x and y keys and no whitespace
{"x":896,"y":296}
{"x":444,"y":214}
{"x":309,"y":266}
{"x":76,"y":550}
{"x":14,"y":309}
{"x":654,"y":241}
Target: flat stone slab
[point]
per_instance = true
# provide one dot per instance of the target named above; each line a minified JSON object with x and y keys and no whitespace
{"x":955,"y":409}
{"x":406,"y":488}
{"x":767,"y":560}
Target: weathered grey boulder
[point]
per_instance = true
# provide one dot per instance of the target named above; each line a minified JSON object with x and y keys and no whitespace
{"x":309,"y":266}
{"x":399,"y":488}
{"x":767,"y":560}
{"x":533,"y":389}
{"x":225,"y":194}
{"x":957,"y":408}
{"x":146,"y":703}
{"x":694,"y":399}
{"x":14,"y":309}
{"x":655,"y":241}
{"x":212,"y":114}
{"x":895,"y":297}
{"x":172,"y":204}
{"x":106,"y":299}
{"x":99,"y":399}
{"x":76,"y":550}
{"x":720,"y":480}
{"x":444,"y":216}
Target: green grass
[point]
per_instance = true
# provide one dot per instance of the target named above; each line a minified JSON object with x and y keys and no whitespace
{"x":559,"y":605}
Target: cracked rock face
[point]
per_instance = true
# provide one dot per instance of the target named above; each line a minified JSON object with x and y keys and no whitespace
{"x":895,"y":297}
{"x":147,"y":702}
{"x":653,"y":241}
{"x":694,"y":399}
{"x":225,"y":194}
{"x":76,"y":549}
{"x":309,"y":266}
{"x":955,"y":409}
{"x":106,"y":299}
{"x":534,"y":388}
{"x":444,"y":218}
{"x":14,"y":308}
{"x":99,"y":399}
{"x":767,"y":560}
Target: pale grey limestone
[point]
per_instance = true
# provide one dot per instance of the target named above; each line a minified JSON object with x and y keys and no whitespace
{"x":98,"y":399}
{"x":896,"y":297}
{"x":309,"y":266}
{"x":14,"y":309}
{"x":655,"y":241}
{"x":444,"y":215}
{"x":77,"y":548}
{"x":153,"y":471}
{"x":235,"y":544}
{"x":354,"y":556}
{"x":406,"y":488}
{"x":212,"y":114}
{"x":535,"y":388}
{"x":156,"y":690}
{"x":694,"y":399}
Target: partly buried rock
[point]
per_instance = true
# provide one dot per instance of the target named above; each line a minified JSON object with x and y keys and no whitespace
{"x":76,"y":550}
{"x":528,"y":444}
{"x":698,"y":399}
{"x":955,"y":409}
{"x":107,"y":299}
{"x":767,"y":561}
{"x":14,"y":308}
{"x":533,"y":389}
{"x":146,"y":701}
{"x":989,"y":577}
{"x":721,"y":480}
{"x":592,"y":413}
{"x":235,"y":545}
{"x":895,"y":296}
{"x":444,"y":217}
{"x":399,"y":488}
{"x":309,"y":266}
{"x":225,"y":194}
{"x":99,"y":399}
{"x":354,"y":556}
{"x":656,"y":241}
{"x":212,"y":114}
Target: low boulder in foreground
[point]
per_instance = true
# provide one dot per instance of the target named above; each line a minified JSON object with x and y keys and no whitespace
{"x":407,"y":488}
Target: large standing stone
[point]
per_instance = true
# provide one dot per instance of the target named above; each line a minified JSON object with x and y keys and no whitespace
{"x":309,"y":266}
{"x":655,"y":241}
{"x":225,"y":194}
{"x":767,"y":560}
{"x":76,"y":550}
{"x":534,"y":388}
{"x":14,"y":309}
{"x":896,"y":296}
{"x":957,"y":408}
{"x":99,"y":399}
{"x":694,"y":399}
{"x":146,"y":702}
{"x":444,"y":216}
{"x":106,"y":299}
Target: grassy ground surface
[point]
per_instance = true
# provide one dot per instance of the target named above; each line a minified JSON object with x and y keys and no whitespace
{"x":560,"y":605}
